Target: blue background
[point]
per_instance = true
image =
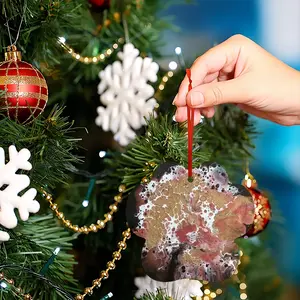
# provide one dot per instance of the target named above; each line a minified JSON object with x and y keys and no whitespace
{"x":277,"y":154}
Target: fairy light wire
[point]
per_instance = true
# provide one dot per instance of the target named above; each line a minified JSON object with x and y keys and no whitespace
{"x":105,"y":54}
{"x":20,"y":25}
{"x":38,"y":276}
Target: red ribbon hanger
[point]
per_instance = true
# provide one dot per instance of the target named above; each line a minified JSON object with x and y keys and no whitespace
{"x":190,"y":120}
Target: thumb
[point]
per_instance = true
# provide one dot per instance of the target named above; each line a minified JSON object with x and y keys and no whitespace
{"x":215,"y":93}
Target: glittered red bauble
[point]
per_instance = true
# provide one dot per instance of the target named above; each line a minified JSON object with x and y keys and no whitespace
{"x":263,"y":212}
{"x":26,"y":90}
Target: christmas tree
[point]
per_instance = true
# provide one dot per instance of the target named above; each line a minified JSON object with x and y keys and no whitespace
{"x":85,"y":145}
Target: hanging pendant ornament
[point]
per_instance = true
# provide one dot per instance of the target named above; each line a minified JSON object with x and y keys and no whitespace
{"x":26,"y":90}
{"x":263,"y":211}
{"x":190,"y":228}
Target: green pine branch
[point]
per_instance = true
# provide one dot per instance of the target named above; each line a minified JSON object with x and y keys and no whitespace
{"x":229,"y":137}
{"x":226,"y":139}
{"x":51,"y":145}
{"x":163,"y":141}
{"x":141,"y":25}
{"x":31,"y":245}
{"x":43,"y":22}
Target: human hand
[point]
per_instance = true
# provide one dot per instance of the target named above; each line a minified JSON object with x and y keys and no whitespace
{"x":240,"y":72}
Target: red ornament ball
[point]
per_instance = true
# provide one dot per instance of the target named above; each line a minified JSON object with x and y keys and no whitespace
{"x":25,"y":88}
{"x":263,"y":212}
{"x":100,"y":3}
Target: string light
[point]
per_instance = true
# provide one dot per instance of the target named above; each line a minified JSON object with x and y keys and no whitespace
{"x":178,"y":50}
{"x":6,"y":284}
{"x":206,"y":291}
{"x":102,"y":154}
{"x":90,"y":59}
{"x":173,"y":65}
{"x":108,"y":296}
{"x":85,"y":203}
{"x":50,"y":261}
{"x":209,"y":294}
{"x":3,"y":285}
{"x":62,"y":39}
{"x":243,"y":286}
{"x":219,"y":291}
{"x":180,"y":58}
{"x":163,"y":82}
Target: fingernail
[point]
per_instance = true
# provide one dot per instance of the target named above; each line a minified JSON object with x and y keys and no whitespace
{"x":173,"y":103}
{"x":197,"y":99}
{"x":175,"y":116}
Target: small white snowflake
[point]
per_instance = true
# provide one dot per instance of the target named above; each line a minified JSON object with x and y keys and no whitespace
{"x":184,"y":289}
{"x":125,"y":92}
{"x":12,"y":184}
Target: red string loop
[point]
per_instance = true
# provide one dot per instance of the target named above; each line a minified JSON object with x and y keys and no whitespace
{"x":190,"y":120}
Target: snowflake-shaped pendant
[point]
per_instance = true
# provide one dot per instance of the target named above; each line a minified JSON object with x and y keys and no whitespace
{"x":11,"y":185}
{"x":125,"y":92}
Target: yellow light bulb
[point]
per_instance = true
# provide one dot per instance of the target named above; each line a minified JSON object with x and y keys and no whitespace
{"x":219,"y":291}
{"x":243,"y":286}
{"x":206,"y":291}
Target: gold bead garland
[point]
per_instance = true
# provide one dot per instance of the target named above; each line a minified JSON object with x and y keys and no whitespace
{"x":91,"y":59}
{"x":17,"y":289}
{"x":100,"y":224}
{"x":109,"y":266}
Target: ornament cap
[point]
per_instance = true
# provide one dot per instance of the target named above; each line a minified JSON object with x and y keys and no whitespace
{"x":12,"y":53}
{"x":249,"y":181}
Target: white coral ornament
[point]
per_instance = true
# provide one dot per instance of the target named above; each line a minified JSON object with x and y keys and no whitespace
{"x":15,"y":183}
{"x":183,"y":289}
{"x":125,"y":92}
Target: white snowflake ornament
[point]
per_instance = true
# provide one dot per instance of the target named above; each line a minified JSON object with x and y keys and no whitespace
{"x":15,"y":183}
{"x":183,"y":289}
{"x":125,"y":92}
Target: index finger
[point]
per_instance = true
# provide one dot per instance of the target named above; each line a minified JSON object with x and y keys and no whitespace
{"x":221,"y":57}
